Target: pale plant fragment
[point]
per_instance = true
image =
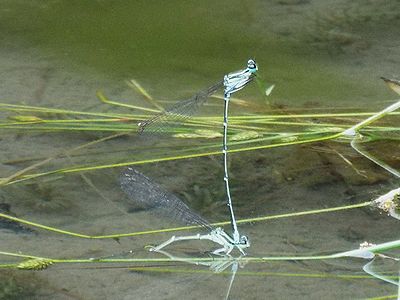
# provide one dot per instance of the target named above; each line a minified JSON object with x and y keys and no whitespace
{"x":389,"y":203}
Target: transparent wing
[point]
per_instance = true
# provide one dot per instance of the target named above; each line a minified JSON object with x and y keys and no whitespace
{"x":142,"y":190}
{"x":178,"y":112}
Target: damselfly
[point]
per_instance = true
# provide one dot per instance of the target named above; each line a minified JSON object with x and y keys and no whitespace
{"x":141,"y":189}
{"x":184,"y":109}
{"x":137,"y":185}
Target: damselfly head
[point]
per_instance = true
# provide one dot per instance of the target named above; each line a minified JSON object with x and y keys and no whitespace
{"x":244,"y":241}
{"x":252,"y":66}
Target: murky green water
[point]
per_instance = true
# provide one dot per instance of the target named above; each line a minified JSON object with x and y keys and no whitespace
{"x":324,"y":56}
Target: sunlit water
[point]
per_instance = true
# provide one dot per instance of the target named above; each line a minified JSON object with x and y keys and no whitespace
{"x":321,"y":55}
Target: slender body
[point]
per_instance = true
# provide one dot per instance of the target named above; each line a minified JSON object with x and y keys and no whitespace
{"x":234,"y":82}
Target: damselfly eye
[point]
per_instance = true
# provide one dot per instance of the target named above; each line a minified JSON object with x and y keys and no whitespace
{"x":244,"y":240}
{"x":251,"y":64}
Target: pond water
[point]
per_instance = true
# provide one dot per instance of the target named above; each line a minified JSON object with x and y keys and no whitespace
{"x":324,"y":57}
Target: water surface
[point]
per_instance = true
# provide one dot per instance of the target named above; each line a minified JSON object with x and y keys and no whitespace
{"x":323,"y":56}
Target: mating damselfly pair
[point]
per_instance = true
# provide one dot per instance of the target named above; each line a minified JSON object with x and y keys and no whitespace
{"x":141,"y":189}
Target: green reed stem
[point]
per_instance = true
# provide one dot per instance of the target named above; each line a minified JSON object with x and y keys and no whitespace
{"x":157,"y":231}
{"x":48,"y":261}
{"x":171,"y":158}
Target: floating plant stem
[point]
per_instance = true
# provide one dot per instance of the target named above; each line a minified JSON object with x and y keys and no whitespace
{"x":38,"y":263}
{"x":157,"y":231}
{"x":355,"y":146}
{"x":353,"y":131}
{"x":292,"y":141}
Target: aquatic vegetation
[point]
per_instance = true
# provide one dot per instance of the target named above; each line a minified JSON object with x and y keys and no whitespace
{"x":250,"y":132}
{"x":304,"y":191}
{"x":199,"y":133}
{"x":390,"y":203}
{"x":34,"y":264}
